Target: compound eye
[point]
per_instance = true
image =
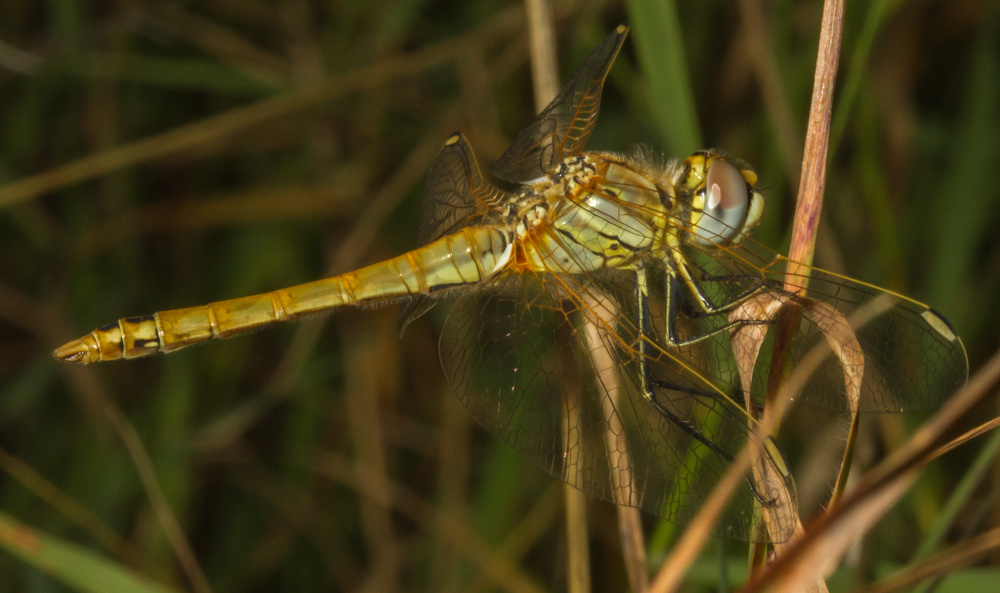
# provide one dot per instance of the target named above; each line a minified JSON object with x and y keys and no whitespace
{"x":726,"y":202}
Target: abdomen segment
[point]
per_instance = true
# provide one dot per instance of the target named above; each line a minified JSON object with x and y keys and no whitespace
{"x":466,"y":257}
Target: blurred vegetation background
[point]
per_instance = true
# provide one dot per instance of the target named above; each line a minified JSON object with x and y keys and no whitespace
{"x":156,"y":155}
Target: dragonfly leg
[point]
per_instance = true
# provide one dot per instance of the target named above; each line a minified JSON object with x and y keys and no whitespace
{"x":665,"y":385}
{"x":674,"y":299}
{"x":645,"y":370}
{"x":707,"y":307}
{"x":705,"y":304}
{"x":649,"y":384}
{"x":693,"y":391}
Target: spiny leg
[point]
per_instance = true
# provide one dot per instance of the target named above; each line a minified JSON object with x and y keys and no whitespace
{"x":707,"y":307}
{"x":648,"y":383}
{"x":674,"y":298}
{"x":645,"y":368}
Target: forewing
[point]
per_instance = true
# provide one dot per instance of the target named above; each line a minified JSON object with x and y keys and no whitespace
{"x":550,"y":363}
{"x":905,"y":355}
{"x":912,"y":359}
{"x":563,"y":127}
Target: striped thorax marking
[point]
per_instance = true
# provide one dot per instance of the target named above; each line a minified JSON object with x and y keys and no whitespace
{"x":591,"y":213}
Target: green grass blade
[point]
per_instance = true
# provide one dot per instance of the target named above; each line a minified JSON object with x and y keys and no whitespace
{"x":660,"y":46}
{"x":73,"y":565}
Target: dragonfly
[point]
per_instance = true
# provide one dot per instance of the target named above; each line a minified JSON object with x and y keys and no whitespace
{"x":600,"y":305}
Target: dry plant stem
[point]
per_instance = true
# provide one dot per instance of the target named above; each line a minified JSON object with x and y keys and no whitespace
{"x":362,"y":383}
{"x":756,"y":558}
{"x":846,"y":461}
{"x":832,"y":533}
{"x":810,"y":197}
{"x":671,"y":574}
{"x":788,"y":319}
{"x":95,"y":397}
{"x":213,"y":128}
{"x":838,"y":332}
{"x":577,"y":541}
{"x":813,"y":179}
{"x":245,"y":205}
{"x":530,"y":529}
{"x":786,"y":130}
{"x":756,"y":37}
{"x":633,"y":548}
{"x":66,"y":505}
{"x":941,"y":564}
{"x":746,"y":342}
{"x":502,"y":574}
{"x":544,"y":71}
{"x":323,"y":199}
{"x":803,"y":238}
{"x":968,"y":436}
{"x":629,"y":519}
{"x":574,"y":501}
{"x":608,"y":381}
{"x":545,"y":76}
{"x":348,"y":257}
{"x":85,"y":383}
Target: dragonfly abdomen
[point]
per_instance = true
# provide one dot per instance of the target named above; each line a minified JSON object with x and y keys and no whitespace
{"x":466,"y":257}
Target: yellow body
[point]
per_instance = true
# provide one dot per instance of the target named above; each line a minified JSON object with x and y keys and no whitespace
{"x":596,"y":211}
{"x":463,"y":258}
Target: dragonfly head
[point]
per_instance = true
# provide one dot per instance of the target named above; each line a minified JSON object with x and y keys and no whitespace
{"x":725,"y":204}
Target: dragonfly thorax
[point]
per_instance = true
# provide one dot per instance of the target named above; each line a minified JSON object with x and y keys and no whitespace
{"x":532,"y":220}
{"x":570,"y":176}
{"x":590,"y":213}
{"x":538,"y":198}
